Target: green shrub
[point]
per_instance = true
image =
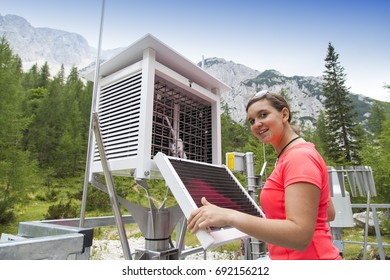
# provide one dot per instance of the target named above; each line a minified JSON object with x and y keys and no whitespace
{"x":384,"y":219}
{"x":7,"y":214}
{"x":62,"y":210}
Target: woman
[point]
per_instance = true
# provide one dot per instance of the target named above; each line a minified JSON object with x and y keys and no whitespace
{"x":295,"y":198}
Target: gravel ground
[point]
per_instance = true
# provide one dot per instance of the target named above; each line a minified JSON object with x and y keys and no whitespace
{"x":112,"y":250}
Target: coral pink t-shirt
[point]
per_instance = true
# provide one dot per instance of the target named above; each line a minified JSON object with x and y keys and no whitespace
{"x":300,"y":163}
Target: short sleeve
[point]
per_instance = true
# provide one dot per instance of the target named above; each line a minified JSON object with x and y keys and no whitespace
{"x":302,"y":164}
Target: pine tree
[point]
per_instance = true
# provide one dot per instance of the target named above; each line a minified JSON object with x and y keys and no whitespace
{"x":15,"y":168}
{"x":69,"y":151}
{"x":44,"y":77}
{"x":376,"y":118}
{"x":382,"y":162}
{"x":31,"y":78}
{"x":47,"y":127}
{"x":234,"y":135}
{"x":342,"y":146}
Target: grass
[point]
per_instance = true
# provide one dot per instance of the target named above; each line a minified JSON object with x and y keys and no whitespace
{"x":355,"y":251}
{"x":32,"y":211}
{"x":38,"y":199}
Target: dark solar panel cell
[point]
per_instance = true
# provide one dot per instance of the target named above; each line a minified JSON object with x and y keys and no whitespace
{"x":214,"y":183}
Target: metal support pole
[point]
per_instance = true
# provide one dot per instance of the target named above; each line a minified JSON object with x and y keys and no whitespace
{"x":378,"y":233}
{"x":251,"y":179}
{"x":255,"y":247}
{"x":111,"y":189}
{"x":367,"y":223}
{"x":90,"y":136}
{"x":181,"y":229}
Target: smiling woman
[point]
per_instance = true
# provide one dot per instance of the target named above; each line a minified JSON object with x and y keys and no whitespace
{"x":295,"y":198}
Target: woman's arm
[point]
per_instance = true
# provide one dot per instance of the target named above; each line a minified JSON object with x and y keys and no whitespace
{"x":295,"y":232}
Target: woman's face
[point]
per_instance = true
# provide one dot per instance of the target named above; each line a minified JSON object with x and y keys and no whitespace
{"x":266,"y":122}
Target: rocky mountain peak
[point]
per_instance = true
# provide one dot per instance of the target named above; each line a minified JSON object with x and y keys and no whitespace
{"x":57,"y":47}
{"x":304,"y":93}
{"x":39,"y":45}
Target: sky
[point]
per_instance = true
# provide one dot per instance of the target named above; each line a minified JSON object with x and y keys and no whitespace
{"x":289,"y":36}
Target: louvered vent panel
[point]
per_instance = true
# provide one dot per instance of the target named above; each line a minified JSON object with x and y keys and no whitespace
{"x":119,"y":112}
{"x":182,"y":124}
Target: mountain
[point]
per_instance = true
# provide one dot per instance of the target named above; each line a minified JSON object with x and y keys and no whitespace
{"x":57,"y":47}
{"x":304,"y":93}
{"x":38,"y":45}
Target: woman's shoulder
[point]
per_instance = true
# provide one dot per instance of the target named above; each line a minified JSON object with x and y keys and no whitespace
{"x":302,"y":148}
{"x":305,"y":152}
{"x":302,"y":152}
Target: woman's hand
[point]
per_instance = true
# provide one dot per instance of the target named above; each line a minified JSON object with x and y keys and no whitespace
{"x":209,"y":215}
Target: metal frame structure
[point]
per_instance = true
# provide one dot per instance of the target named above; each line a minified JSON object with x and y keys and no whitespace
{"x":150,"y":99}
{"x":361,"y":183}
{"x":145,"y":100}
{"x":50,"y":239}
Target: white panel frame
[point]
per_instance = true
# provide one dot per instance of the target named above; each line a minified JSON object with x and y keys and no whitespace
{"x":146,"y":117}
{"x":207,"y":239}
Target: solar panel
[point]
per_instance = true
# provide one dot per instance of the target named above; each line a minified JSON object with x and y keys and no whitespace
{"x":190,"y":180}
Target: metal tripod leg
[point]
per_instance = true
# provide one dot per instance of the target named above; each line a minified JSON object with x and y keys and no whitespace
{"x":90,"y":138}
{"x":111,"y":188}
